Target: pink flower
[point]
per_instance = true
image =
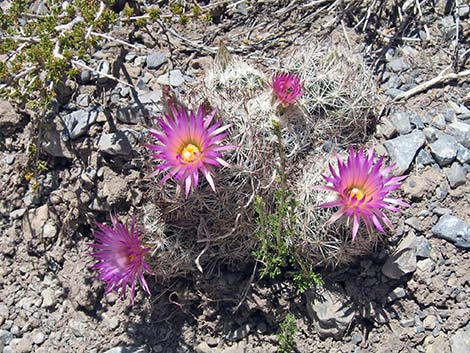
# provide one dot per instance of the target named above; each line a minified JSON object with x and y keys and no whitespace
{"x":362,"y":190}
{"x":287,"y":88}
{"x":120,"y":256}
{"x":190,"y":143}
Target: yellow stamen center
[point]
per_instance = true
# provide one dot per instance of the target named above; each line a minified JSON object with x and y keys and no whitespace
{"x":190,"y":153}
{"x":358,"y":193}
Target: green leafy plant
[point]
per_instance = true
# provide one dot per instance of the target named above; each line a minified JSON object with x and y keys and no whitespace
{"x":276,"y":231}
{"x":286,"y":335}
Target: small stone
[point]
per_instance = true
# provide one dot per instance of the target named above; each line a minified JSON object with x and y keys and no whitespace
{"x":398,"y":64}
{"x":430,"y":133}
{"x":115,"y":144}
{"x":403,"y":261}
{"x":416,"y":121}
{"x":407,"y":322}
{"x":9,"y":159}
{"x":9,"y":118}
{"x":122,"y":349}
{"x":83,"y":100}
{"x":444,"y":150}
{"x":456,"y":175}
{"x":441,"y":211}
{"x":104,"y":68}
{"x":463,"y":155}
{"x":22,"y":345}
{"x":393,"y":92}
{"x":85,"y":75}
{"x":173,"y":78}
{"x":5,"y":337}
{"x":239,"y":333}
{"x":460,"y":340}
{"x":261,"y":327}
{"x":356,"y":338}
{"x":130,"y":56}
{"x":430,"y":322}
{"x":449,"y":115}
{"x":453,"y":229}
{"x":330,"y":314}
{"x":414,"y":223}
{"x":39,"y":222}
{"x":401,"y":121}
{"x":112,"y":322}
{"x":4,"y":312}
{"x":397,"y":293}
{"x":440,"y":345}
{"x":461,"y":132}
{"x":203,"y":347}
{"x":439,"y":122}
{"x":424,"y":158}
{"x":403,"y":149}
{"x":463,"y":10}
{"x":39,"y":337}
{"x":448,"y":27}
{"x":49,"y":298}
{"x":387,"y":129}
{"x":155,"y":60}
{"x":78,"y":122}
{"x":423,"y":247}
{"x":78,"y":327}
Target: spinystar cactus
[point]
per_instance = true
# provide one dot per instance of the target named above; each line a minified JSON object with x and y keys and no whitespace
{"x":190,"y":142}
{"x":362,"y":190}
{"x":287,"y":88}
{"x":120,"y":256}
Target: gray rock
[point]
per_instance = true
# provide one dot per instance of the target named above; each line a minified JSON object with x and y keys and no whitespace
{"x":104,"y":68}
{"x":173,"y":78}
{"x":463,"y":10}
{"x":22,"y":345}
{"x":133,"y":114}
{"x":414,"y":223}
{"x":38,"y":337}
{"x":39,"y":223}
{"x":130,"y":56}
{"x":401,"y":121}
{"x":86,"y":75}
{"x":448,"y":27}
{"x":150,"y":97}
{"x":393,"y":92}
{"x":416,"y":121}
{"x":83,"y":100}
{"x":398,"y":64}
{"x":49,"y":299}
{"x":356,"y":338}
{"x":423,"y":247}
{"x":444,"y":149}
{"x":122,"y":349}
{"x":5,"y":337}
{"x":430,"y":322}
{"x":439,"y":122}
{"x":330,"y":313}
{"x":461,"y":132}
{"x":240,"y":333}
{"x":9,"y":118}
{"x":456,"y":175}
{"x":78,"y":122}
{"x":463,"y":155}
{"x":424,"y":158}
{"x":397,"y":293}
{"x":403,"y":149}
{"x":115,"y":144}
{"x":430,"y":133}
{"x":155,"y":60}
{"x":460,"y":340}
{"x":203,"y":347}
{"x":53,"y":143}
{"x":403,"y":260}
{"x":386,"y":129}
{"x":453,"y":229}
{"x":449,"y":115}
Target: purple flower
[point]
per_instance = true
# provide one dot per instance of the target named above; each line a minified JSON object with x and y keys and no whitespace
{"x":121,"y":257}
{"x":190,"y":143}
{"x":287,"y":88}
{"x":363,"y":191}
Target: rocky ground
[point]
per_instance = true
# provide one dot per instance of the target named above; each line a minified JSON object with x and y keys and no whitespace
{"x":412,"y":295}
